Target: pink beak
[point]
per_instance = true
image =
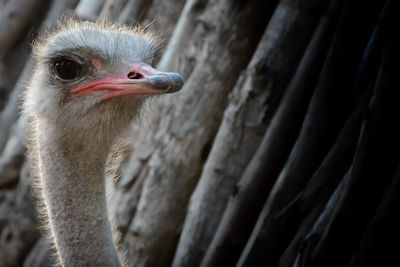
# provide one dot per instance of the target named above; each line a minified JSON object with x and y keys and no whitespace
{"x":141,"y":80}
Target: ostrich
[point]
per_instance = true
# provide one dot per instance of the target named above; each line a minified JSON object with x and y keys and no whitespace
{"x":90,"y":82}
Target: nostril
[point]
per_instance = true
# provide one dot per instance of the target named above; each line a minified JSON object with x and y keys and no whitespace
{"x":134,"y":75}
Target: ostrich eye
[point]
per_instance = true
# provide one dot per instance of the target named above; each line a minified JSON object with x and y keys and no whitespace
{"x":67,"y":69}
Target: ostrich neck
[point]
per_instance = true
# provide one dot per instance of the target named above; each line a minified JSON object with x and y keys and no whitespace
{"x":71,"y":180}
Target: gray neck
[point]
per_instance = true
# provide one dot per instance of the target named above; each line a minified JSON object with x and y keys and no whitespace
{"x":71,"y":182}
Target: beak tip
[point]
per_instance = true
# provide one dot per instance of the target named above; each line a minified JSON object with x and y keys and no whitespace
{"x":179,"y":81}
{"x":168,"y":82}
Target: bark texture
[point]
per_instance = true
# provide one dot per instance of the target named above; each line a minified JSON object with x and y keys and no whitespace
{"x":156,"y":225}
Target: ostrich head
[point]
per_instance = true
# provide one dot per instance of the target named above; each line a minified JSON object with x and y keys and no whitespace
{"x":95,"y":77}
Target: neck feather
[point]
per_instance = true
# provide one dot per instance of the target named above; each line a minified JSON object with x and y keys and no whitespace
{"x":70,"y":178}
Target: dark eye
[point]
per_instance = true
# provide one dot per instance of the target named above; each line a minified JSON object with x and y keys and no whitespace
{"x":67,"y":69}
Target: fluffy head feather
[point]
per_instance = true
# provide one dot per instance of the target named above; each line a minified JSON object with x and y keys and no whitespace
{"x":104,"y":48}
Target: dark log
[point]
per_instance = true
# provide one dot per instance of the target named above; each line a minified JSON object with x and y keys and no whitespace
{"x":310,"y":203}
{"x":328,"y":110}
{"x":259,"y":176}
{"x":377,"y":246}
{"x":376,"y":158}
{"x":310,"y":240}
{"x":323,"y":182}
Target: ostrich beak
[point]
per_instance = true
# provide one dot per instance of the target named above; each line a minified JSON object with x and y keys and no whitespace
{"x":141,"y":80}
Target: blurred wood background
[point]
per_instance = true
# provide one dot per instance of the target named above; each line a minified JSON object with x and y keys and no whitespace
{"x":281,"y":150}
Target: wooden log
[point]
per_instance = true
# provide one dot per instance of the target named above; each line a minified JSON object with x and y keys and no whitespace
{"x":376,"y":157}
{"x":326,"y":178}
{"x":306,"y":246}
{"x":260,"y":174}
{"x":18,"y":231}
{"x":128,"y":191}
{"x":112,"y":9}
{"x":134,"y":11}
{"x":12,"y":157}
{"x":237,"y":140}
{"x":376,"y":247}
{"x":134,"y":169}
{"x":304,"y":211}
{"x":184,"y":30}
{"x":181,"y":149}
{"x":330,"y":105}
{"x":321,"y":185}
{"x":11,"y":67}
{"x":9,"y":115}
{"x":89,"y":8}
{"x":16,"y":17}
{"x":162,"y":16}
